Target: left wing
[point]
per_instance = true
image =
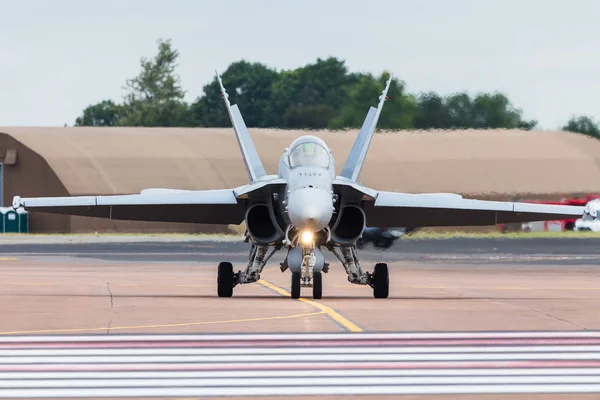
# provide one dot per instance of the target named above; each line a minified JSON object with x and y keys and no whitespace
{"x":203,"y":207}
{"x":391,"y":209}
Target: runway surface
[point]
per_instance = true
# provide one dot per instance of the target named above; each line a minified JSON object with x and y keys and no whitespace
{"x":542,"y":295}
{"x":300,"y":364}
{"x":569,"y":251}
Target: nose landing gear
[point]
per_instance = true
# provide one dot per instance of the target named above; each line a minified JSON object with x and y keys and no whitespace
{"x":306,"y":262}
{"x":308,"y":275}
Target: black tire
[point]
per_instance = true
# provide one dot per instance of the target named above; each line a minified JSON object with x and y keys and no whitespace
{"x":225,"y":280}
{"x":381,"y":281}
{"x":295,"y":285}
{"x":317,"y":285}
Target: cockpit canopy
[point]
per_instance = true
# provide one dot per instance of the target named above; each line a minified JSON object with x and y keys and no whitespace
{"x":309,"y":154}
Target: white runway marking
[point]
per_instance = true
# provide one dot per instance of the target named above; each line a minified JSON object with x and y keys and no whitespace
{"x":299,"y":364}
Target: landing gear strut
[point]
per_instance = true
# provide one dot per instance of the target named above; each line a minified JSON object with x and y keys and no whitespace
{"x":378,"y":280}
{"x":307,"y":265}
{"x":227,"y":279}
{"x":306,"y":262}
{"x":308,"y":276}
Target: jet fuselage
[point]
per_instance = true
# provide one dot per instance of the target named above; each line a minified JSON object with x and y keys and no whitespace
{"x":309,"y":169}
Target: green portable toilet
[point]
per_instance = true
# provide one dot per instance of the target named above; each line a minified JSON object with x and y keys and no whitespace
{"x":23,"y":220}
{"x":2,"y":211}
{"x":11,"y":221}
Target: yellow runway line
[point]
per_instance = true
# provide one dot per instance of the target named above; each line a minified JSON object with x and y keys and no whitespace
{"x":346,"y":323}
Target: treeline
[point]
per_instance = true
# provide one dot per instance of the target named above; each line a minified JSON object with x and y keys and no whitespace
{"x":316,"y":96}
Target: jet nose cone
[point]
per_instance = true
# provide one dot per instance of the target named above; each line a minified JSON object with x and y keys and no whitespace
{"x":311,"y":215}
{"x":310,"y":209}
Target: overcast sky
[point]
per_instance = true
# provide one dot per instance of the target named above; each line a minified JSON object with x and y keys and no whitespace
{"x":58,"y":56}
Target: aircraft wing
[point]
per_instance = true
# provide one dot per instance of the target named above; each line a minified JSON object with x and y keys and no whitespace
{"x":223,"y":207}
{"x":391,"y":209}
{"x":205,"y":206}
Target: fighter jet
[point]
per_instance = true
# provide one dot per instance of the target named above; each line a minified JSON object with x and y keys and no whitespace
{"x":303,"y":210}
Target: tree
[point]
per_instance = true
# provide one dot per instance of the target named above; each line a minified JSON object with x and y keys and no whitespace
{"x":320,"y":95}
{"x":495,"y":111}
{"x":155,"y":96}
{"x":401,"y":108}
{"x":105,"y":113}
{"x":310,"y":96}
{"x":584,"y":125}
{"x":432,"y":113}
{"x":483,"y":112}
{"x":248,"y":84}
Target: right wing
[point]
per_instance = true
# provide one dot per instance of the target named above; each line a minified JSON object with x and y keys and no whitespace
{"x":249,"y":153}
{"x":203,"y":207}
{"x":391,"y":209}
{"x":358,"y":153}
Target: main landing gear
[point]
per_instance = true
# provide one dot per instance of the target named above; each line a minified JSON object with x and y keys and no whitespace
{"x":307,"y":266}
{"x":227,"y":279}
{"x":379,"y":280}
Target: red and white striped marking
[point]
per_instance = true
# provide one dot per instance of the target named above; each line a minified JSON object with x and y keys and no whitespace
{"x":299,"y":364}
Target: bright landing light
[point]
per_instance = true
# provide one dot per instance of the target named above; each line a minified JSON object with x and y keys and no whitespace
{"x":307,"y":237}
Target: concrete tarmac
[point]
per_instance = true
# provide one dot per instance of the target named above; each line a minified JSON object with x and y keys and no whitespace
{"x":170,"y":288}
{"x":436,"y":285}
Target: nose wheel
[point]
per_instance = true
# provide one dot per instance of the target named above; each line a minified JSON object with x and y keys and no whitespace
{"x":297,"y":283}
{"x":296,"y":280}
{"x":317,"y":285}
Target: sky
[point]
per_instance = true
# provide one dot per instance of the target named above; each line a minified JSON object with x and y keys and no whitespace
{"x":59,"y":56}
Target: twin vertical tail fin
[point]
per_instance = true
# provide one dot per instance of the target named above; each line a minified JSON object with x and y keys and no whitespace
{"x":358,"y":154}
{"x":356,"y":158}
{"x":251,"y":158}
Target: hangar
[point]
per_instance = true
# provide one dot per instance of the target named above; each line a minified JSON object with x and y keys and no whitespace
{"x":490,"y":164}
